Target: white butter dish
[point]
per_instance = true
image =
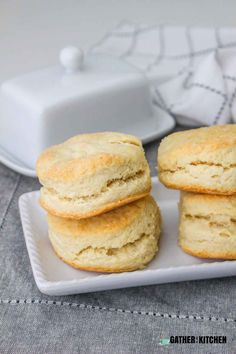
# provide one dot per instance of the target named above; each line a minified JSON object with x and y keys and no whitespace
{"x":84,"y":94}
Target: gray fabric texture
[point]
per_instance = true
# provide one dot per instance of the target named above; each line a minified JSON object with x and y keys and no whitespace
{"x":120,"y":321}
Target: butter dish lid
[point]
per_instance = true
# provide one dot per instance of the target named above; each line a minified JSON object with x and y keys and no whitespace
{"x":82,"y":94}
{"x":77,"y":75}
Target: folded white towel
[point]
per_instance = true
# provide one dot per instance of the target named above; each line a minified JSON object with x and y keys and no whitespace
{"x":192,"y":70}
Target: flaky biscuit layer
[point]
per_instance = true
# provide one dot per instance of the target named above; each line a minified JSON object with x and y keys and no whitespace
{"x":208,"y":225}
{"x":92,"y":173}
{"x":200,"y":160}
{"x":124,"y":239}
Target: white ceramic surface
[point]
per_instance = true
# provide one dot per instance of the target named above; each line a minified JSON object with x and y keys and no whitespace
{"x":53,"y":277}
{"x":97,"y":93}
{"x":16,"y":165}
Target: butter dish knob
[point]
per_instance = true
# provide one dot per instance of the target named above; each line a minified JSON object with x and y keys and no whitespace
{"x":71,"y":58}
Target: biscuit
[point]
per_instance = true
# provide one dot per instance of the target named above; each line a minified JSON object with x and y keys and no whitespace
{"x":208,"y":225}
{"x":124,"y":239}
{"x":200,"y":160}
{"x":91,"y":174}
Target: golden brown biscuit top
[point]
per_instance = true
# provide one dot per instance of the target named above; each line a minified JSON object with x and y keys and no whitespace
{"x":209,"y":140}
{"x":85,"y":154}
{"x":113,"y":221}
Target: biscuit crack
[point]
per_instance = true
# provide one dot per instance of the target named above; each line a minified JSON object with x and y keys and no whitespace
{"x":189,"y":216}
{"x":212,"y":223}
{"x":113,"y":251}
{"x":198,"y":163}
{"x":125,"y":142}
{"x":115,"y":181}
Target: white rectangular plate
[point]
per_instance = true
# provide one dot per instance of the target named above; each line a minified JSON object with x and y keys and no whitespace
{"x":53,"y":277}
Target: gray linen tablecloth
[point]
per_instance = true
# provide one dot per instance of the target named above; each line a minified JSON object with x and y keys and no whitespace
{"x":120,"y":321}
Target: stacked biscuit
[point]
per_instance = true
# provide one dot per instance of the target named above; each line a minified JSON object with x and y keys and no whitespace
{"x":202,"y":164}
{"x":96,"y":192}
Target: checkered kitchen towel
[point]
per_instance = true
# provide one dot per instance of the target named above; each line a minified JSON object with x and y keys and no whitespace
{"x":192,"y":70}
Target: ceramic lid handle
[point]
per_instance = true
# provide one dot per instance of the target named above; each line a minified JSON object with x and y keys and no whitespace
{"x":72,"y":58}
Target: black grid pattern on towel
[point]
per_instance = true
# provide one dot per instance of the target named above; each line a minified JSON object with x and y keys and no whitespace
{"x":159,"y":57}
{"x":138,"y":29}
